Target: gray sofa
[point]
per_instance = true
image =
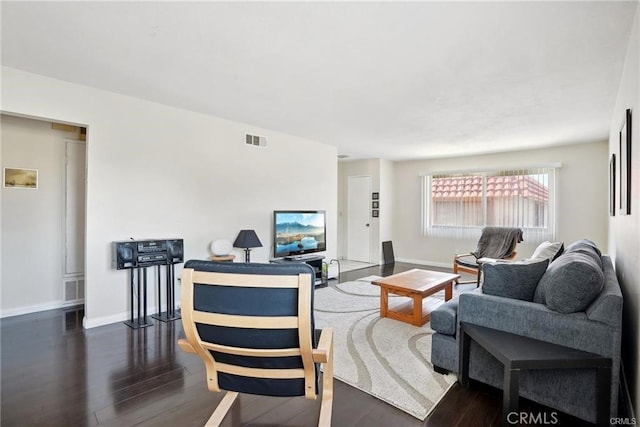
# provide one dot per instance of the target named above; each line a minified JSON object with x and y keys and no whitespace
{"x":572,"y":304}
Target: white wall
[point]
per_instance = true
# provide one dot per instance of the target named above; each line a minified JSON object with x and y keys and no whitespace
{"x":582,"y":207}
{"x":156,"y":171}
{"x":624,"y":230}
{"x":32,"y":219}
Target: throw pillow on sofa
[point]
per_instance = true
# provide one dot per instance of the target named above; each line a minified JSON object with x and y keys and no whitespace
{"x":571,"y":283}
{"x":548,"y":250}
{"x":517,"y":280}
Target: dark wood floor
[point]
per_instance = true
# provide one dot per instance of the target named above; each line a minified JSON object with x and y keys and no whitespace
{"x":54,"y":373}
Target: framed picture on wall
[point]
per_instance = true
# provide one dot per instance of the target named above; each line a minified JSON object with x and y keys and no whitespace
{"x":374,"y":213}
{"x":375,"y":204}
{"x":20,"y":178}
{"x":375,"y":196}
{"x":612,"y":185}
{"x":625,"y":165}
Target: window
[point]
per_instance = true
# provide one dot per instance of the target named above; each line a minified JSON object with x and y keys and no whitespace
{"x":460,"y":204}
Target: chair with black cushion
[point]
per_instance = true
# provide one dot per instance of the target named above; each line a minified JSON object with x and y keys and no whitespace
{"x":496,"y":243}
{"x":253,"y":327}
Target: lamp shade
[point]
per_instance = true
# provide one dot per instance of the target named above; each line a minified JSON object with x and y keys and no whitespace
{"x":247,"y":239}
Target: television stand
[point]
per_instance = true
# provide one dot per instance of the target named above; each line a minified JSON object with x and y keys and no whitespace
{"x":315,"y":261}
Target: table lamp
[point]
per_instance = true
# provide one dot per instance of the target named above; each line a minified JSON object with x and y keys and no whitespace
{"x":247,"y":239}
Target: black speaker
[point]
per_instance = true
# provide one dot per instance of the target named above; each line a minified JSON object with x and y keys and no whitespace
{"x":387,"y":253}
{"x":125,"y":254}
{"x":175,"y":251}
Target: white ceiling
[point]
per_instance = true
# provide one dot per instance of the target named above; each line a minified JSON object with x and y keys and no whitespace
{"x":395,"y":80}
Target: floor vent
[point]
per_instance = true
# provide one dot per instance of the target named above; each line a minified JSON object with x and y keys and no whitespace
{"x":255,"y":140}
{"x":73,"y":290}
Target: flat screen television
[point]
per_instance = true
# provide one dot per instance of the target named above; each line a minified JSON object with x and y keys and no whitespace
{"x":298,"y":232}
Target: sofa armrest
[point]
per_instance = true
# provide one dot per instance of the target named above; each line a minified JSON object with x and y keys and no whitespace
{"x":444,"y":319}
{"x":537,"y":321}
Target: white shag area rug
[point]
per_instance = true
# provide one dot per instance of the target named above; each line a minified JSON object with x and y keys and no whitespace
{"x":383,"y":357}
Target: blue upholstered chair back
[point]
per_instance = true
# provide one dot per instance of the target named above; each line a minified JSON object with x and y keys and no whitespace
{"x":249,"y":316}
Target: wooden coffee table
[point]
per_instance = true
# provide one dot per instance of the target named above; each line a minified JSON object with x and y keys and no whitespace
{"x":415,"y":284}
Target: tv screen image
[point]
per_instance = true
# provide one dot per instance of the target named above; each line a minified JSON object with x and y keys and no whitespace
{"x":298,"y":232}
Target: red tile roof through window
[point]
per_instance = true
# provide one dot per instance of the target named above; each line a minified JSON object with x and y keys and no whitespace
{"x":453,"y":188}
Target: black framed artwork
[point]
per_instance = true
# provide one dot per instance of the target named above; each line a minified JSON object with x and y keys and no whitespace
{"x":612,"y":185}
{"x":624,"y":201}
{"x":374,"y":213}
{"x":375,"y":204}
{"x":374,"y":196}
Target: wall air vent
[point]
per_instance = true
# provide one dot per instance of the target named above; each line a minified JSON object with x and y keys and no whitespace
{"x":73,"y":290}
{"x":255,"y":140}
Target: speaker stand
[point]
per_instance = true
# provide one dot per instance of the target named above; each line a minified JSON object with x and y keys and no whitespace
{"x":172,"y":313}
{"x":142,"y":321}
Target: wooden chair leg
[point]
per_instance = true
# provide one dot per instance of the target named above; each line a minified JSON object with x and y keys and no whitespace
{"x":326,"y":405}
{"x":222,"y":409}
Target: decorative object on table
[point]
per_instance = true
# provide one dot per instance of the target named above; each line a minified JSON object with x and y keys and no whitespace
{"x":625,"y":164}
{"x":612,"y":185}
{"x":246,"y":240}
{"x":20,"y":178}
{"x":221,"y":247}
{"x":374,"y":213}
{"x":221,"y":250}
{"x":375,"y":196}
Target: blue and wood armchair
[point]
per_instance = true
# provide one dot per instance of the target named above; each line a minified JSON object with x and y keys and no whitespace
{"x":253,"y":327}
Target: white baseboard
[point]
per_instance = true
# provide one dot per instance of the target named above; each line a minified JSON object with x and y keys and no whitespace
{"x":86,"y":323}
{"x":423,"y":262}
{"x":18,"y":311}
{"x":116,"y":318}
{"x":104,"y":320}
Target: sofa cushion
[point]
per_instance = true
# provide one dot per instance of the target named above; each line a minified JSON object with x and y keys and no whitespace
{"x":516,"y":280}
{"x":586,"y":247}
{"x":570,"y":283}
{"x":548,"y":250}
{"x":443,"y":319}
{"x":584,"y":243}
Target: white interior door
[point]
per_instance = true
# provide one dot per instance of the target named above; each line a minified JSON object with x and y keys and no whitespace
{"x":358,"y":218}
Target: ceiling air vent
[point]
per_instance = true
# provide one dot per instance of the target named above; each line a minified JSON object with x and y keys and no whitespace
{"x":255,"y":140}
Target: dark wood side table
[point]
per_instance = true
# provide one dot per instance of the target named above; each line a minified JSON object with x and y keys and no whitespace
{"x":517,"y":353}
